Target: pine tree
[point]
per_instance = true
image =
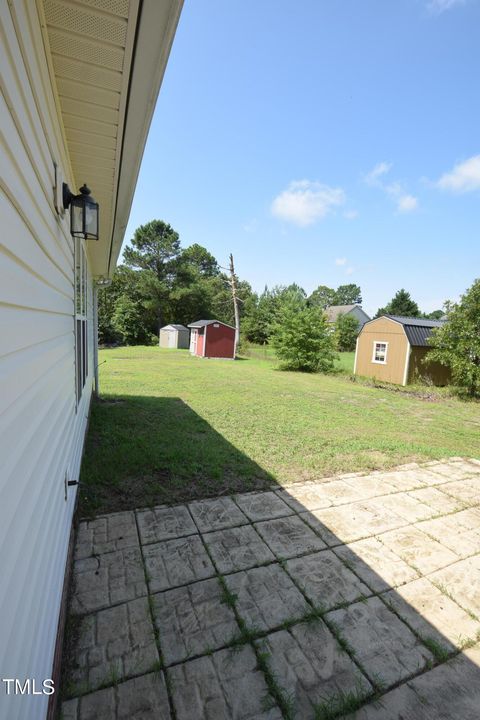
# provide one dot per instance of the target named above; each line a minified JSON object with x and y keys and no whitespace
{"x":402,"y":305}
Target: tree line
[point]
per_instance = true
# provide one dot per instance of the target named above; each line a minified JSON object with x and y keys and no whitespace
{"x":159,"y":282}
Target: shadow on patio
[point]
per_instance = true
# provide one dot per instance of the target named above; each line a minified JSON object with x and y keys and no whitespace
{"x":309,"y":601}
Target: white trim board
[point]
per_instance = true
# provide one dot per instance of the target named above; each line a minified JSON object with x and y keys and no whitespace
{"x":380,"y":342}
{"x":356,"y":355}
{"x":407,"y":363}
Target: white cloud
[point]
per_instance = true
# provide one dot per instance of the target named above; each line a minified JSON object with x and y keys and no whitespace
{"x":380,"y":169}
{"x":465,"y":177}
{"x":350,"y":214}
{"x":304,"y":202}
{"x":342,"y":262}
{"x":440,"y":6}
{"x":394,"y":189}
{"x":407,"y":203}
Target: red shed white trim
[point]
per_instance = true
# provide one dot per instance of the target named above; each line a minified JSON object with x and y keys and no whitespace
{"x":212,"y":339}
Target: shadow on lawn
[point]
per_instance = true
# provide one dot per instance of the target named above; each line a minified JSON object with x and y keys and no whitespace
{"x":143,"y":451}
{"x":364,"y":638}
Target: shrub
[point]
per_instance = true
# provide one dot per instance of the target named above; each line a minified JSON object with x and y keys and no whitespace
{"x":302,"y":338}
{"x":243,"y":347}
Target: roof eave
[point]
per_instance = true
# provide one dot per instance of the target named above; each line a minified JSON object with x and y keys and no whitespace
{"x":381,"y":317}
{"x":106,"y":63}
{"x":149,"y":61}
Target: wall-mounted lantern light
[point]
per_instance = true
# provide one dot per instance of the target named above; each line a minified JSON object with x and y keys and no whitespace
{"x":83,"y":212}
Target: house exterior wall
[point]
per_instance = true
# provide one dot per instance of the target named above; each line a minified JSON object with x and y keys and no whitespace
{"x":359,"y":315}
{"x":220,"y":341}
{"x":382,"y":330}
{"x":41,"y":429}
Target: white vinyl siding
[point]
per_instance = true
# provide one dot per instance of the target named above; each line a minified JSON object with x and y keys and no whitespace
{"x":41,"y":430}
{"x":360,"y":316}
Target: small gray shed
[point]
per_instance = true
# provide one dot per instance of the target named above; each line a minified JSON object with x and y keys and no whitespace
{"x":175,"y":336}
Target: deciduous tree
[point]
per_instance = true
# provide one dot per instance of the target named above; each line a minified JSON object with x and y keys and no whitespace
{"x":346,"y":331}
{"x":348,"y":295}
{"x":435,"y":315}
{"x":322,"y":297}
{"x":457,"y":344}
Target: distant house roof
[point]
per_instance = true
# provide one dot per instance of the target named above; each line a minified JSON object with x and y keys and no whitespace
{"x":175,"y":327}
{"x":203,"y":323}
{"x":334,"y":311}
{"x":417,"y":330}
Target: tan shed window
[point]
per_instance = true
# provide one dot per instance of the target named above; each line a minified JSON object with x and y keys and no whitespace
{"x":380,"y":352}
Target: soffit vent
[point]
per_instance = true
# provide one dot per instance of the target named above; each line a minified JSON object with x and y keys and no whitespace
{"x":70,"y":46}
{"x":90,"y":24}
{"x":114,"y":7}
{"x":72,"y":69}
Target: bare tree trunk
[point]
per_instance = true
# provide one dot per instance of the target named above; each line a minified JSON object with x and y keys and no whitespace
{"x":235,"y":303}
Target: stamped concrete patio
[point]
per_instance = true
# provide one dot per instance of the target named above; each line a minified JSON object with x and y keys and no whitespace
{"x":356,"y":597}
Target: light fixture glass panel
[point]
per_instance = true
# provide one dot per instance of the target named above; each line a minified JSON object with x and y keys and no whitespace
{"x":91,"y":219}
{"x":76,"y":215}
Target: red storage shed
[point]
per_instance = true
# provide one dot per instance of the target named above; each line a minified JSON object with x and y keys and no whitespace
{"x":212,"y":339}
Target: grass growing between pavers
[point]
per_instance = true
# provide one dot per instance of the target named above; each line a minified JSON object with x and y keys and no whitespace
{"x":170,"y":427}
{"x":342,"y":704}
{"x":331,"y":704}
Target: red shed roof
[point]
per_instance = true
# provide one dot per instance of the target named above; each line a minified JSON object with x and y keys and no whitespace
{"x":203,"y":323}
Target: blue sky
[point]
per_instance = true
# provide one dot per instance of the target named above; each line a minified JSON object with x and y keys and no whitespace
{"x":323,"y":142}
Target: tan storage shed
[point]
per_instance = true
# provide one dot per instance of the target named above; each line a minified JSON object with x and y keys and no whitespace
{"x":391,"y":348}
{"x":175,"y":337}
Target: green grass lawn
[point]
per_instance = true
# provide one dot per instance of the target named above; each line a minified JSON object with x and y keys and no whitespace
{"x":344,"y":362}
{"x":170,"y":427}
